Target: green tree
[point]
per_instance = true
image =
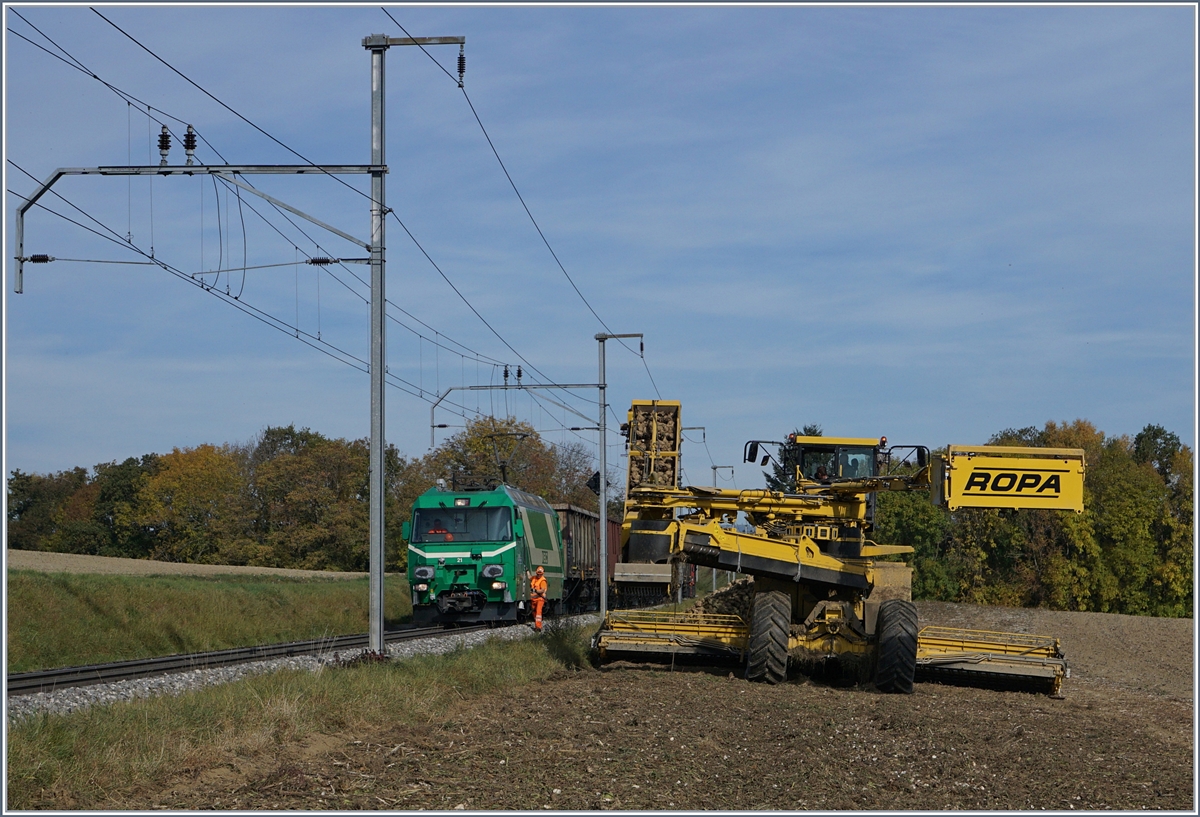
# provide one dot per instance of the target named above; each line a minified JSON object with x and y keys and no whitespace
{"x":1172,"y":581}
{"x":313,"y":505}
{"x":116,"y":505}
{"x":35,"y":502}
{"x":75,"y":527}
{"x":782,"y":476}
{"x":1158,"y":447}
{"x":909,"y":518}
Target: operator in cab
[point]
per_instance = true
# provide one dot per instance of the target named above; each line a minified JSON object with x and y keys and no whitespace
{"x":439,"y":529}
{"x":537,"y":591}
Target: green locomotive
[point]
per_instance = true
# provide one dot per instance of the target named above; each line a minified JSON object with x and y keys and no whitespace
{"x":471,"y":553}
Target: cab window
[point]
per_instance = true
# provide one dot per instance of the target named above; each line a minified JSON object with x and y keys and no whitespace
{"x":856,"y":463}
{"x":434,"y":525}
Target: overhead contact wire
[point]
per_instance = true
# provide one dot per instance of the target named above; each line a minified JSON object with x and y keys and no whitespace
{"x":521,"y":198}
{"x":125,"y":95}
{"x":228,"y":108}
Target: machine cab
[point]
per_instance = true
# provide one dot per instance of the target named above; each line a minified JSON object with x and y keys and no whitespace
{"x":823,"y":459}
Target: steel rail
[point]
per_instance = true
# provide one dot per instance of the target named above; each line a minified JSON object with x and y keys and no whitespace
{"x":25,"y":683}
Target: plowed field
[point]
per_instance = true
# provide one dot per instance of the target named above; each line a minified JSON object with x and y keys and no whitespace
{"x":652,"y":737}
{"x":659,"y":737}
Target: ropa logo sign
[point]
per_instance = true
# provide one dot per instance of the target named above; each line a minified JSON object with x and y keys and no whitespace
{"x":1017,"y":481}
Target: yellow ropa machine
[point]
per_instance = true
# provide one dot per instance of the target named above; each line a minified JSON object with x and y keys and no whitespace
{"x":822,"y":587}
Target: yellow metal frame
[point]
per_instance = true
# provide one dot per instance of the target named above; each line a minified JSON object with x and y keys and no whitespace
{"x":1015,"y":657}
{"x":861,"y":442}
{"x":643,"y":466}
{"x":692,"y":633}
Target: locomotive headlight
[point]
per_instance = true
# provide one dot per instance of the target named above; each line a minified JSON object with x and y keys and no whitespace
{"x":492,"y":571}
{"x":421,"y":588}
{"x":423,"y":572}
{"x":499,"y":585}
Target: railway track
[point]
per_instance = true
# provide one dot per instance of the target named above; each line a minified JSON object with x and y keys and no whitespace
{"x":25,"y":683}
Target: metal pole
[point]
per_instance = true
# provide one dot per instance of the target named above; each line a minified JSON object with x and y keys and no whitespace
{"x":714,"y":570}
{"x":377,"y":44}
{"x":715,"y":468}
{"x":378,"y":348}
{"x":603,"y":487}
{"x":601,"y":337}
{"x":19,"y":283}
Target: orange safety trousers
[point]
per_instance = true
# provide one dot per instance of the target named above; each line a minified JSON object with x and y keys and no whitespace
{"x":538,"y":586}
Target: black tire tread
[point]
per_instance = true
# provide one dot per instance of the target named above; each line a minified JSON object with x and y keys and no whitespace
{"x":896,"y":652}
{"x":769,"y":625}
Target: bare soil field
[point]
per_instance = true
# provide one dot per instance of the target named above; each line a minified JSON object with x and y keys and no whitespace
{"x":653,"y":736}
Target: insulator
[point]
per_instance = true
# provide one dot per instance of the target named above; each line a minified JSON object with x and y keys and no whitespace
{"x":321,"y":262}
{"x":164,"y":144}
{"x":505,"y":374}
{"x":462,"y":65}
{"x":189,"y":140}
{"x":518,"y":373}
{"x":39,"y":259}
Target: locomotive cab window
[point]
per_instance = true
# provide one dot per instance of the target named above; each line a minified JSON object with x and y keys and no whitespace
{"x":434,"y":525}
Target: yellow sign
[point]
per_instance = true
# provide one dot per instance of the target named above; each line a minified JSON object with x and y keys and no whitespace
{"x":1012,"y":477}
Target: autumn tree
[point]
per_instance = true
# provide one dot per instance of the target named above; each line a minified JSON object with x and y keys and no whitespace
{"x":197,"y":506}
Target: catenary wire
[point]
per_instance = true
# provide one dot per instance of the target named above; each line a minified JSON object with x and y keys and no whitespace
{"x":125,"y":95}
{"x":79,"y":66}
{"x":320,"y":345}
{"x":75,"y":63}
{"x":473,"y":354}
{"x":308,"y":161}
{"x":521,"y":198}
{"x":187,"y":79}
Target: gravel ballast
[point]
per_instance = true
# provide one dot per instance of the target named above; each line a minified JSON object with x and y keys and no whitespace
{"x":72,"y":699}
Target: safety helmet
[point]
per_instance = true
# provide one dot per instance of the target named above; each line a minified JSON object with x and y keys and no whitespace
{"x":541,"y":570}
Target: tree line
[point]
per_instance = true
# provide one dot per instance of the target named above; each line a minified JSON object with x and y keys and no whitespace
{"x":295,"y":498}
{"x":1130,"y":551}
{"x":289,"y":498}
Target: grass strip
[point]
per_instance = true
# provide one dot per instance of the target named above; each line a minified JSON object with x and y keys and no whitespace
{"x":66,"y":620}
{"x":106,"y":756}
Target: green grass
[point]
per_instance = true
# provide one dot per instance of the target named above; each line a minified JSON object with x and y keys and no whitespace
{"x":124,"y":752}
{"x":63,"y":619}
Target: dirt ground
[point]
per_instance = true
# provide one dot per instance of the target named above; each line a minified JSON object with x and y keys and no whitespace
{"x":632,"y":736}
{"x":654,"y":737}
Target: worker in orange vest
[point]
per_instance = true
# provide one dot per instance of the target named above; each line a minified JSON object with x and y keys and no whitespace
{"x":537,"y":589}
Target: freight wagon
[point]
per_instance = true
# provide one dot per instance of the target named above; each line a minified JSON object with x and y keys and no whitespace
{"x":581,"y":540}
{"x":630,"y":584}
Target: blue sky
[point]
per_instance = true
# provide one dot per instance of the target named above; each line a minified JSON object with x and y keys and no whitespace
{"x":926,"y":222}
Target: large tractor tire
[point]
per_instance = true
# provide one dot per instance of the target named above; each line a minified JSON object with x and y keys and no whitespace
{"x":769,"y":625}
{"x":896,"y":652}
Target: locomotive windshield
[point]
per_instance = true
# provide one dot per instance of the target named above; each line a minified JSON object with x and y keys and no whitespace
{"x":434,"y":525}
